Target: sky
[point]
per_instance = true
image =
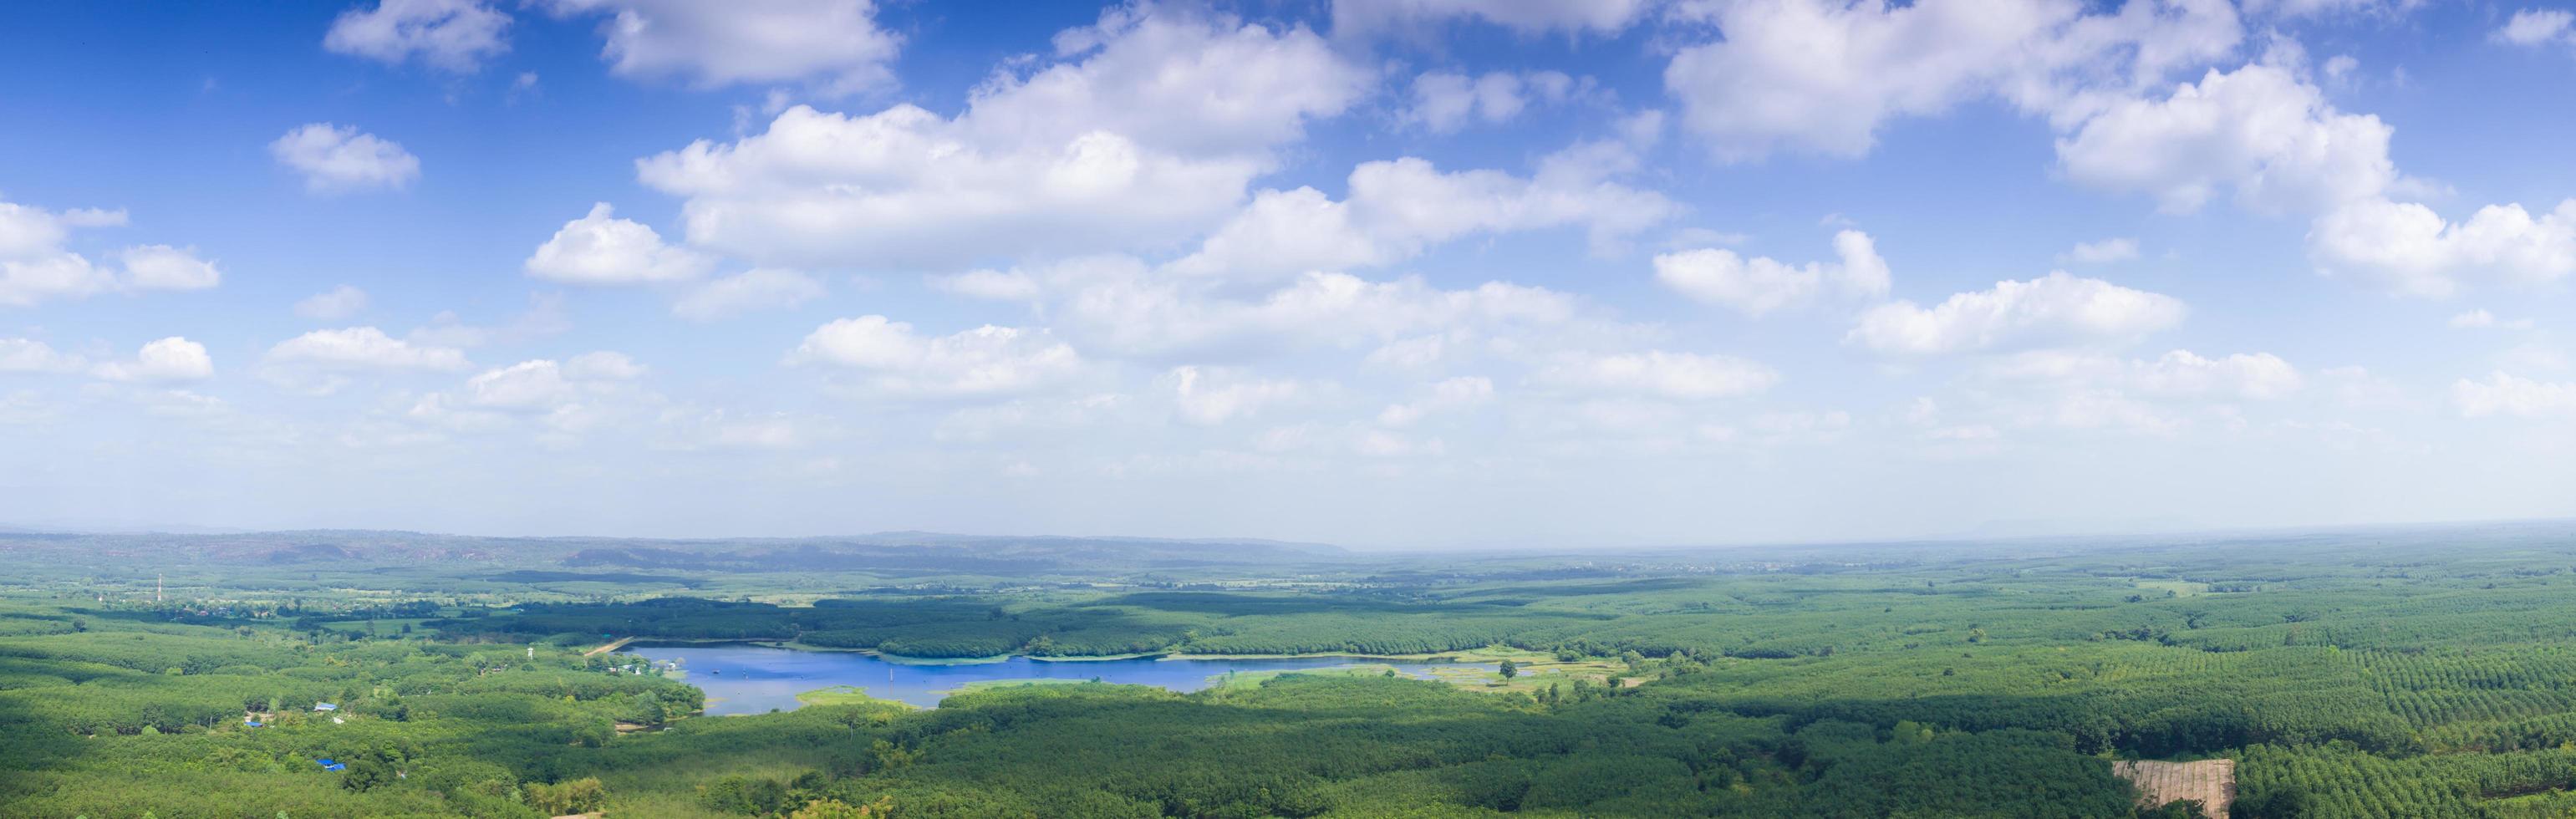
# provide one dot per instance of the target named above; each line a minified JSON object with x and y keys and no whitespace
{"x":1393,"y":273}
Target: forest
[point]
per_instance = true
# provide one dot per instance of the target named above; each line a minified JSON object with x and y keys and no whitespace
{"x":2420,"y":672}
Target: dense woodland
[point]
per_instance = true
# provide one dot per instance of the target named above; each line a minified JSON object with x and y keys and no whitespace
{"x":2426,"y":672}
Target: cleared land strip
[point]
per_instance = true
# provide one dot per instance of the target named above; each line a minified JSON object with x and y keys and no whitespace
{"x":621,"y":643}
{"x":2212,"y":781}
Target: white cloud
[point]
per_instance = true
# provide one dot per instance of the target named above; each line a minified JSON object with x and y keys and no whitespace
{"x":2050,"y":310}
{"x":1398,"y":209}
{"x":1445,"y":101}
{"x":363,"y":348}
{"x":23,"y":355}
{"x":563,"y":400}
{"x":2120,"y":249}
{"x":1211,"y":397}
{"x":334,"y":158}
{"x":2414,"y":251}
{"x":1145,"y":131}
{"x":1760,"y":285}
{"x":36,"y":267}
{"x":453,"y":35}
{"x":2259,"y":130}
{"x":28,"y":232}
{"x":837,"y":44}
{"x":1821,"y":76}
{"x":2258,"y":376}
{"x":600,"y":249}
{"x":760,"y":288}
{"x":604,"y":365}
{"x":2320,"y":8}
{"x":897,"y":188}
{"x":2534,"y":27}
{"x":1528,"y":17}
{"x":2481,"y":319}
{"x":1171,"y":79}
{"x":1658,"y":373}
{"x":983,"y":361}
{"x":2165,"y":395}
{"x":2503,"y":394}
{"x":1450,"y":394}
{"x":2268,"y":135}
{"x":25,"y":282}
{"x":333,"y":305}
{"x":527,"y":385}
{"x":169,"y":359}
{"x":1134,"y":313}
{"x":162,"y":267}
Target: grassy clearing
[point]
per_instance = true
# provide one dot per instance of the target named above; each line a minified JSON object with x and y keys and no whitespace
{"x":844,"y":695}
{"x":983,"y":685}
{"x":2180,"y":588}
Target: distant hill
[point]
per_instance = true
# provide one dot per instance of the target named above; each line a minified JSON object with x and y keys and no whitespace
{"x":884,"y":552}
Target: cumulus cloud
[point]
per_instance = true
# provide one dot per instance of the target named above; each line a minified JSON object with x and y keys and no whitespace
{"x":1760,"y":285}
{"x":2481,"y":319}
{"x":451,"y":35}
{"x":2414,"y":251}
{"x":162,"y":267}
{"x":2267,"y":135}
{"x":836,"y":44}
{"x":1527,"y":17}
{"x":1446,"y":101}
{"x":1214,"y":396}
{"x":1821,"y":76}
{"x":333,"y":305}
{"x":1398,"y":209}
{"x":604,"y":365}
{"x":600,"y":249}
{"x":363,"y":348}
{"x":1657,"y":373}
{"x":1130,"y":311}
{"x":35,"y":266}
{"x":24,"y":355}
{"x":2051,"y":310}
{"x":527,"y":385}
{"x":2505,"y":394}
{"x":562,"y":400}
{"x":985,"y":361}
{"x":166,"y":360}
{"x":2102,"y":252}
{"x":2536,"y":27}
{"x":2260,"y":132}
{"x":760,"y":288}
{"x":1142,"y":131}
{"x":2258,"y":376}
{"x":338,"y":159}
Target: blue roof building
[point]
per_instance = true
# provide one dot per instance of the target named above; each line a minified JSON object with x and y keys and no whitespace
{"x":330,"y":765}
{"x":326,"y":706}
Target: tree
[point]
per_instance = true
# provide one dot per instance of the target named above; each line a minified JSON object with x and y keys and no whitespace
{"x":1510,"y":669}
{"x":366,"y":774}
{"x":837,"y":809}
{"x":565,"y":798}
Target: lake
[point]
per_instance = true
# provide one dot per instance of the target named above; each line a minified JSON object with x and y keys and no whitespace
{"x":749,"y":679}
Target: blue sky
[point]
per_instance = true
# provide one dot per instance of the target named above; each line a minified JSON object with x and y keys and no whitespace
{"x":1415,"y":272}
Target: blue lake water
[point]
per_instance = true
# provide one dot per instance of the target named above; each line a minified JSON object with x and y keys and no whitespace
{"x":748,"y":679}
